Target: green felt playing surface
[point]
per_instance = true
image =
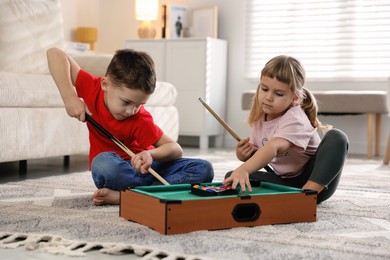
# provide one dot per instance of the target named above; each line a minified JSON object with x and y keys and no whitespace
{"x":183,"y":191}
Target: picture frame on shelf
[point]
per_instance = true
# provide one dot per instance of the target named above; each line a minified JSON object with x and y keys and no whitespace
{"x":204,"y":22}
{"x":177,"y":21}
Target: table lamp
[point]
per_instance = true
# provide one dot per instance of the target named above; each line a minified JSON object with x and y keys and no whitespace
{"x":86,"y":35}
{"x":146,"y":11}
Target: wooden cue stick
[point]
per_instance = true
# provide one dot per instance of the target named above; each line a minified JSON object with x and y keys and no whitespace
{"x":226,"y":126}
{"x":220,"y":120}
{"x":121,"y":145}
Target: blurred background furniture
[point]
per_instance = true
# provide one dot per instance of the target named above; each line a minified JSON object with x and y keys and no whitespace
{"x":372,"y":103}
{"x":34,"y":123}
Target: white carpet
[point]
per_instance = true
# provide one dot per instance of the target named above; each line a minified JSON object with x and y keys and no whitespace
{"x":55,"y":214}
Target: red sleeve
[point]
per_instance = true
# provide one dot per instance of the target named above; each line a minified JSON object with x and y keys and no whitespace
{"x":87,"y":87}
{"x":147,"y":132}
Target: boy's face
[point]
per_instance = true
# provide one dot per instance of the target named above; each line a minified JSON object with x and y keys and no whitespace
{"x":121,"y":101}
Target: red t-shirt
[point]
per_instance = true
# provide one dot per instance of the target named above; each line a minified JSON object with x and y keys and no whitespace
{"x":137,"y":132}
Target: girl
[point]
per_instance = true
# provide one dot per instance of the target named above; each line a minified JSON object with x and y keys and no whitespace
{"x":284,"y":123}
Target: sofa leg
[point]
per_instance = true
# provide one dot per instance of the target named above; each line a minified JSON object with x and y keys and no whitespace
{"x":66,"y":161}
{"x":386,"y":157}
{"x":22,"y":168}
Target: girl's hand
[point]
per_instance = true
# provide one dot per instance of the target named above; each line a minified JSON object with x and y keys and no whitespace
{"x":244,"y":150}
{"x":240,"y":176}
{"x":75,"y":107}
{"x":142,"y":162}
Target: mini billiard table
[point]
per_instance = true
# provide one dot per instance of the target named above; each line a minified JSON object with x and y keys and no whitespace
{"x":175,"y":209}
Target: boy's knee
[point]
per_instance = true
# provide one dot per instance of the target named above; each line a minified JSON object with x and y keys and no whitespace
{"x":101,"y":163}
{"x":209,"y":171}
{"x":203,"y":169}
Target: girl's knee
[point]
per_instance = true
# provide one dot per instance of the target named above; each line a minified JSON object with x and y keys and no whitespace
{"x":339,"y":138}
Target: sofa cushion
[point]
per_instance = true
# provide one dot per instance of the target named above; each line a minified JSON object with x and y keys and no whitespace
{"x":351,"y":101}
{"x":339,"y":101}
{"x":95,"y":64}
{"x":28,"y":90}
{"x":27,"y":30}
{"x":30,"y":133}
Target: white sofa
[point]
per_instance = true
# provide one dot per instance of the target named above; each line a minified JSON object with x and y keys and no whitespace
{"x":33,"y":120}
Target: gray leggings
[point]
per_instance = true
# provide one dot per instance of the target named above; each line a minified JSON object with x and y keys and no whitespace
{"x":324,"y":167}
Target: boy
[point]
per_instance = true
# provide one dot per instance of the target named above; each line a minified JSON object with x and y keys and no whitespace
{"x":116,"y":101}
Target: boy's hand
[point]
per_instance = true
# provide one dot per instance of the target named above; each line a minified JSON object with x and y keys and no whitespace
{"x":75,"y":107}
{"x":244,"y":149}
{"x":142,"y":162}
{"x":240,"y":176}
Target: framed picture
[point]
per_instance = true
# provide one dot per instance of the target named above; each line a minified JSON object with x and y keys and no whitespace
{"x":204,"y":22}
{"x":177,"y":21}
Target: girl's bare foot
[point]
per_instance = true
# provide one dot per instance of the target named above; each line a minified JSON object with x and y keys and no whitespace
{"x":311,"y":185}
{"x":105,"y":196}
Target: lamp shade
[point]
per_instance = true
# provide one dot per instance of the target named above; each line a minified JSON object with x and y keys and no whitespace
{"x":146,"y":10}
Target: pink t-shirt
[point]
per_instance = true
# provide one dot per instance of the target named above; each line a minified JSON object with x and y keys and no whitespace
{"x":295,"y":127}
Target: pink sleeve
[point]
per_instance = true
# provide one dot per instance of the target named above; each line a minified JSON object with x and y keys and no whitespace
{"x":296,"y":128}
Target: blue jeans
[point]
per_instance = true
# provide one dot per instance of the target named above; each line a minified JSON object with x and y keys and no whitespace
{"x":109,"y":170}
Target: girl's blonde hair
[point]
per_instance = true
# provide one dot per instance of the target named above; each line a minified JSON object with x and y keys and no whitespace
{"x":288,"y":70}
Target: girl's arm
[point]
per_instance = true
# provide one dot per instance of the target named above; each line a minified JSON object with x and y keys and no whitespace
{"x":64,"y":71}
{"x":166,"y":150}
{"x":261,"y":158}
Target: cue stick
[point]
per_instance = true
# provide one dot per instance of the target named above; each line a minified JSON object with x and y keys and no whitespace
{"x":121,"y":145}
{"x":220,"y":120}
{"x":226,"y":126}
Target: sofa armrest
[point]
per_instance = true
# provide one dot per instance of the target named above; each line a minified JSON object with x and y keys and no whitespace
{"x":95,"y":64}
{"x":165,"y":94}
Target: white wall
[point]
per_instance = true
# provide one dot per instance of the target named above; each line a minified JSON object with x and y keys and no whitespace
{"x":116,"y":23}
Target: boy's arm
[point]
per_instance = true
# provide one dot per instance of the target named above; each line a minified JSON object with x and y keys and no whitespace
{"x":166,"y":150}
{"x":64,"y":71}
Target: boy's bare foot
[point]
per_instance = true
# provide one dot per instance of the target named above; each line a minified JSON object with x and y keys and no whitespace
{"x":105,"y":196}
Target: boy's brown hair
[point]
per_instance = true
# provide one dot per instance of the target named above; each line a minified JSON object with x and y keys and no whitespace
{"x":134,"y":69}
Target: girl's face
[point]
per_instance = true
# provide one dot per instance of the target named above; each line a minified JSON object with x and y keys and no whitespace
{"x":274,"y":97}
{"x":121,"y":101}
